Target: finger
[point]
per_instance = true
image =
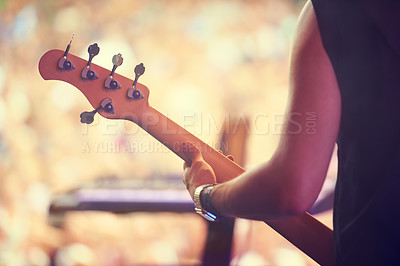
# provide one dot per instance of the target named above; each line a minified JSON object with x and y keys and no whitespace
{"x":230,"y":157}
{"x":185,"y":165}
{"x":192,"y":152}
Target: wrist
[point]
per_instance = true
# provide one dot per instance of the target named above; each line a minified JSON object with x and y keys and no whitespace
{"x":208,"y":205}
{"x":203,"y":205}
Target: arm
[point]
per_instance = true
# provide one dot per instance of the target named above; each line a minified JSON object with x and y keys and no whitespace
{"x":289,"y":183}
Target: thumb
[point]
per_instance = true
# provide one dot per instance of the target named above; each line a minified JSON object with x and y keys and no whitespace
{"x":192,"y":152}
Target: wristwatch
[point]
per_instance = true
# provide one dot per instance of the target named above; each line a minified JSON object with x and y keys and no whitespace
{"x":209,"y":215}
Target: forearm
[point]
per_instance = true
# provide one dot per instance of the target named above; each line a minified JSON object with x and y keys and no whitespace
{"x":267,"y":192}
{"x":241,"y":197}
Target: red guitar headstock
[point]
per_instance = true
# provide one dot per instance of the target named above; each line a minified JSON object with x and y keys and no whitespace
{"x":111,"y":95}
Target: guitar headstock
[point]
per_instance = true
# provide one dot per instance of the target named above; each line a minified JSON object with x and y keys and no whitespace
{"x":111,"y":95}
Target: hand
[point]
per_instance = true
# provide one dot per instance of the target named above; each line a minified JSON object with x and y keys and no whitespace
{"x":198,"y":172}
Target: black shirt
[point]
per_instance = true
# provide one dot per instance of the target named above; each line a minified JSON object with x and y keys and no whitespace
{"x":362,"y":40}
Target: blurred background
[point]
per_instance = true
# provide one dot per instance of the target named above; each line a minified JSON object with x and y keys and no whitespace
{"x":206,"y":61}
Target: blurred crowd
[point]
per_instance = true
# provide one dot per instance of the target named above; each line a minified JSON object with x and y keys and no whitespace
{"x":205,"y":60}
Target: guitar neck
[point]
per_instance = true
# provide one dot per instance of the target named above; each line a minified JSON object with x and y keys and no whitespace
{"x":172,"y":136}
{"x":305,"y":232}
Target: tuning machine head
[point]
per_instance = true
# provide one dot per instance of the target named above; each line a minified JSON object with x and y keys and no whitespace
{"x":106,"y":105}
{"x":87,"y":72}
{"x":63,"y":62}
{"x":110,"y":82}
{"x":133,"y":93}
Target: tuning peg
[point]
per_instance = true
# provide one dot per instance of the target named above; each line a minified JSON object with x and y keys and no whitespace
{"x":139,"y":70}
{"x":63,"y":62}
{"x":87,"y":73}
{"x":117,"y":61}
{"x":93,"y":50}
{"x":133,"y":93}
{"x":88,"y":117}
{"x":110,"y":82}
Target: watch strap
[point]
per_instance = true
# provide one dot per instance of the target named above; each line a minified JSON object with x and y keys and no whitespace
{"x":208,"y":215}
{"x":207,"y":201}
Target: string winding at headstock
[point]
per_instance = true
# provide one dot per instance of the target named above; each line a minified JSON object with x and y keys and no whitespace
{"x":111,"y":95}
